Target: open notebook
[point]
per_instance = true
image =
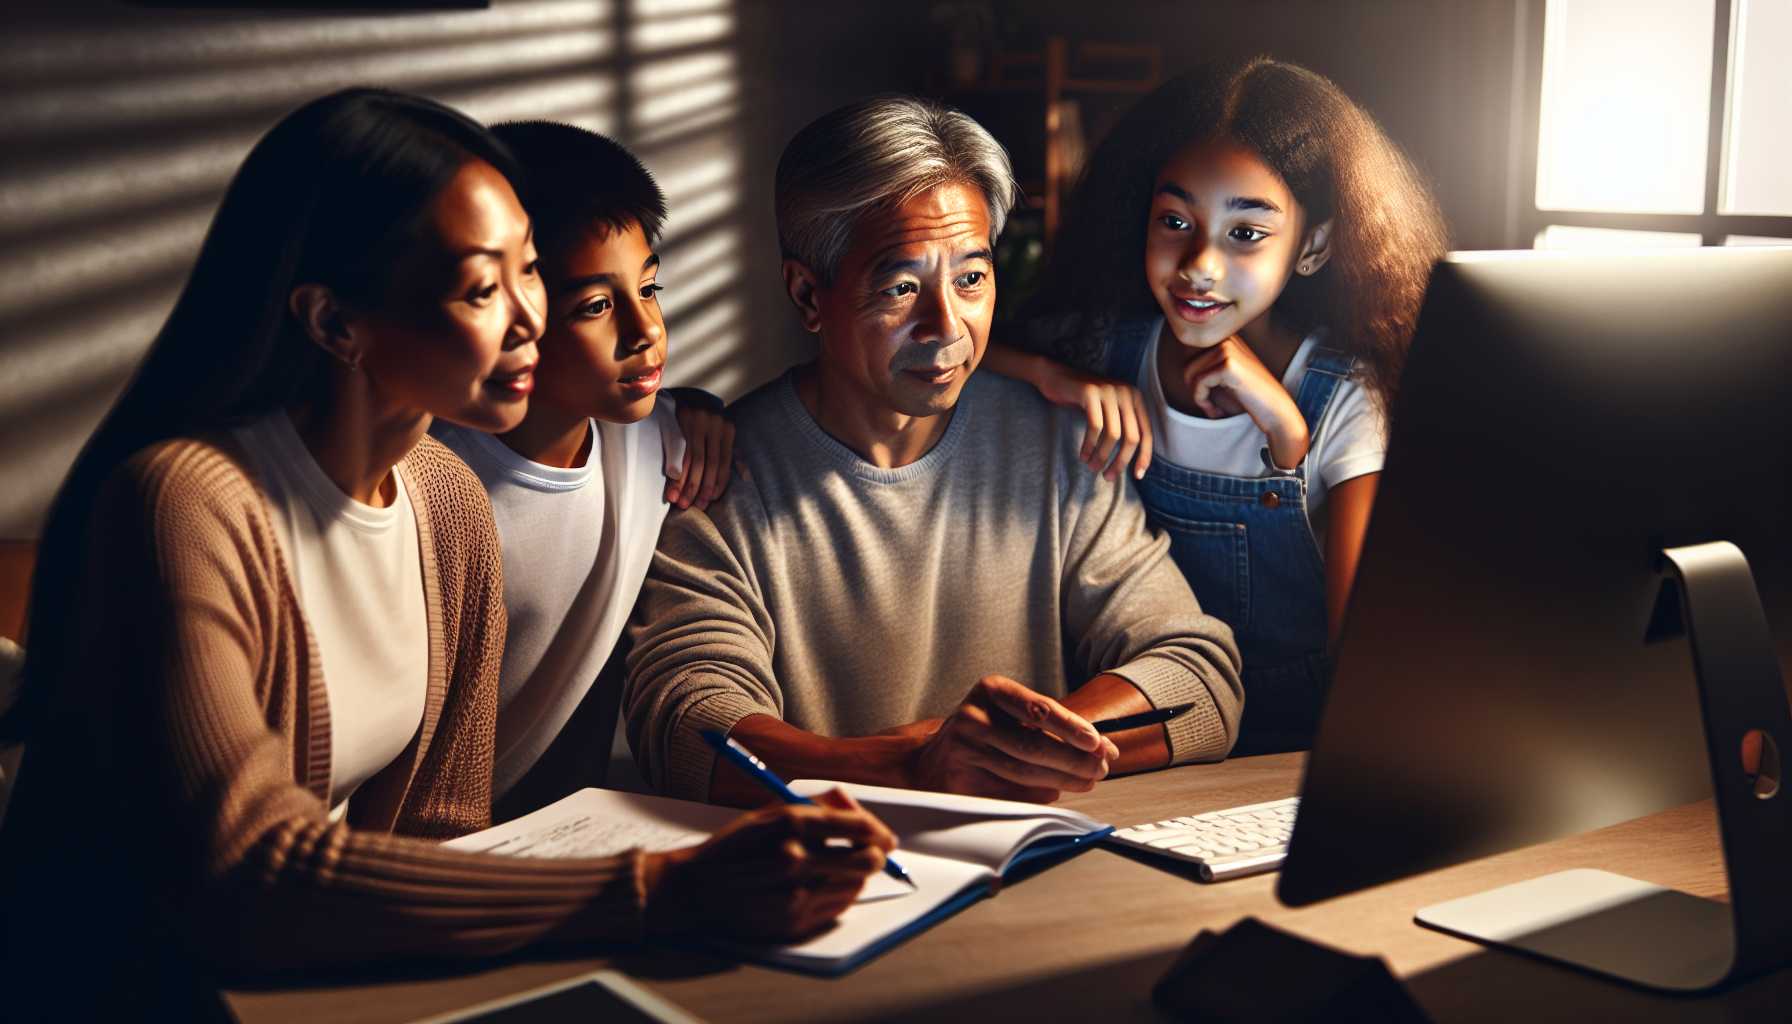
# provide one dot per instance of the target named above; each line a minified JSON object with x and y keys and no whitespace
{"x":957,"y":848}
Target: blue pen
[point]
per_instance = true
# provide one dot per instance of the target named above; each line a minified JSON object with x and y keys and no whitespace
{"x":743,"y":759}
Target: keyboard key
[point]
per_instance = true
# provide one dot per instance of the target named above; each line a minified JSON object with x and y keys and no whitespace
{"x":1164,"y":842}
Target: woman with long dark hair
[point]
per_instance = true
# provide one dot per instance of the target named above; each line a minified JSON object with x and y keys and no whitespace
{"x":268,"y":612}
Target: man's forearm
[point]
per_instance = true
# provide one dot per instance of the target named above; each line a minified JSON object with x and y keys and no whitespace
{"x":1111,"y":696}
{"x":885,"y":759}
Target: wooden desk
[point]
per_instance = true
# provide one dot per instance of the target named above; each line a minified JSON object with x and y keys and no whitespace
{"x":1086,"y":939}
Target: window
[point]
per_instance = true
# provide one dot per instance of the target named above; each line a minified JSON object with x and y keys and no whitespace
{"x":1659,"y":122}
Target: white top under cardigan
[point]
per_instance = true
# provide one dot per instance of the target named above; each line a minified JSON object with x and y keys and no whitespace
{"x":360,"y":580}
{"x":577,"y":544}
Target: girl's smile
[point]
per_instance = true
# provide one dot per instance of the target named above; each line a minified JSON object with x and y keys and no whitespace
{"x":1199,"y":310}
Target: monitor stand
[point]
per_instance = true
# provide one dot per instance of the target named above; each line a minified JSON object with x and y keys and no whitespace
{"x":1646,"y":934}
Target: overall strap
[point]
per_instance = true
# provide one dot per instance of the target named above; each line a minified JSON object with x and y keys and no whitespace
{"x":1124,"y":343}
{"x":1326,"y":369}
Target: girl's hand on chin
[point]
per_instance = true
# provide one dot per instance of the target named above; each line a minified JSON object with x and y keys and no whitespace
{"x":1229,"y":379}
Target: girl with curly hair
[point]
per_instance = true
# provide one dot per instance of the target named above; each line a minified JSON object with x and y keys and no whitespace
{"x":1286,"y":246}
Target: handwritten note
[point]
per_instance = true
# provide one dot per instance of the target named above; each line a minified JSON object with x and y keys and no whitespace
{"x":588,"y":836}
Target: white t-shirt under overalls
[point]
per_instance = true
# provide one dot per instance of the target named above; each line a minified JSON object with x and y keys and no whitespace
{"x":1350,"y":440}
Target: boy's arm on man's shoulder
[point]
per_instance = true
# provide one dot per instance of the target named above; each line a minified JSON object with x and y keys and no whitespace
{"x":1130,"y":615}
{"x":696,"y":444}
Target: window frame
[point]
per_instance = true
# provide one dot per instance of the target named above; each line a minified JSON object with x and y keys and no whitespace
{"x":1711,"y":226}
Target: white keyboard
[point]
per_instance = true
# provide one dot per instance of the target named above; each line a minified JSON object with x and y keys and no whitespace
{"x":1223,"y":844}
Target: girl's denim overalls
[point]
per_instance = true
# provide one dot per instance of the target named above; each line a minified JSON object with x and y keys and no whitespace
{"x":1248,"y":552}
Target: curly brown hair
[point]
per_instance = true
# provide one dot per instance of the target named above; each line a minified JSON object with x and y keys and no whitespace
{"x":1387,"y":230}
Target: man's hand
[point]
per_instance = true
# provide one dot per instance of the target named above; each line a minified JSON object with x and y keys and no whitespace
{"x":1010,"y":742}
{"x":782,"y":872}
{"x":1229,"y":378}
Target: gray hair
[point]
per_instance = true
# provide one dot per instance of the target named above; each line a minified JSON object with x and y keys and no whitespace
{"x":880,"y":153}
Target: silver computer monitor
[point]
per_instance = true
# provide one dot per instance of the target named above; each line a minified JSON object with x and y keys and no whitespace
{"x":1510,"y":670}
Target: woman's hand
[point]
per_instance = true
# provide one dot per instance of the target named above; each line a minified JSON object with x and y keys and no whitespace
{"x":781,"y":872}
{"x":1229,"y":378}
{"x":708,"y":457}
{"x":1119,"y":428}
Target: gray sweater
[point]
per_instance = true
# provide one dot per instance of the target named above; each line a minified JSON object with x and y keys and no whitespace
{"x":847,"y":599}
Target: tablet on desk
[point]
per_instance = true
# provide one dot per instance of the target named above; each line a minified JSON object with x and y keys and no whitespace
{"x":600,"y":995}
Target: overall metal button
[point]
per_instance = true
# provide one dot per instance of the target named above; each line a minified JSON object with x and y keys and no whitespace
{"x":1270,"y":499}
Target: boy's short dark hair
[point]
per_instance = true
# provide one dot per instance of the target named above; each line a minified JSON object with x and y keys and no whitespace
{"x":576,"y":179}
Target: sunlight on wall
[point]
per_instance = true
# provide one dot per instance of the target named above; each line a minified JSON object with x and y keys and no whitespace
{"x":121,"y":135}
{"x":1626,"y":105}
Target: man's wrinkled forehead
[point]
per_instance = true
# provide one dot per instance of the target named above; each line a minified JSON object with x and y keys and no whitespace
{"x":952,"y":217}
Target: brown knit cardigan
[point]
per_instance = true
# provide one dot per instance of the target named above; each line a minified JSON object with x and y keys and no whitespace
{"x":180,"y":785}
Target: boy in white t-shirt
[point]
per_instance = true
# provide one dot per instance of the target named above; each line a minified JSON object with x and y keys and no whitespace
{"x":581,"y":487}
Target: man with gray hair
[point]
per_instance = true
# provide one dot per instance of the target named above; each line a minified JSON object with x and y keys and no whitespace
{"x":913,"y":580}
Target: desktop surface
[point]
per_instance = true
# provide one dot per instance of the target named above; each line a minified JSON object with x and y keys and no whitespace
{"x":1086,"y":939}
